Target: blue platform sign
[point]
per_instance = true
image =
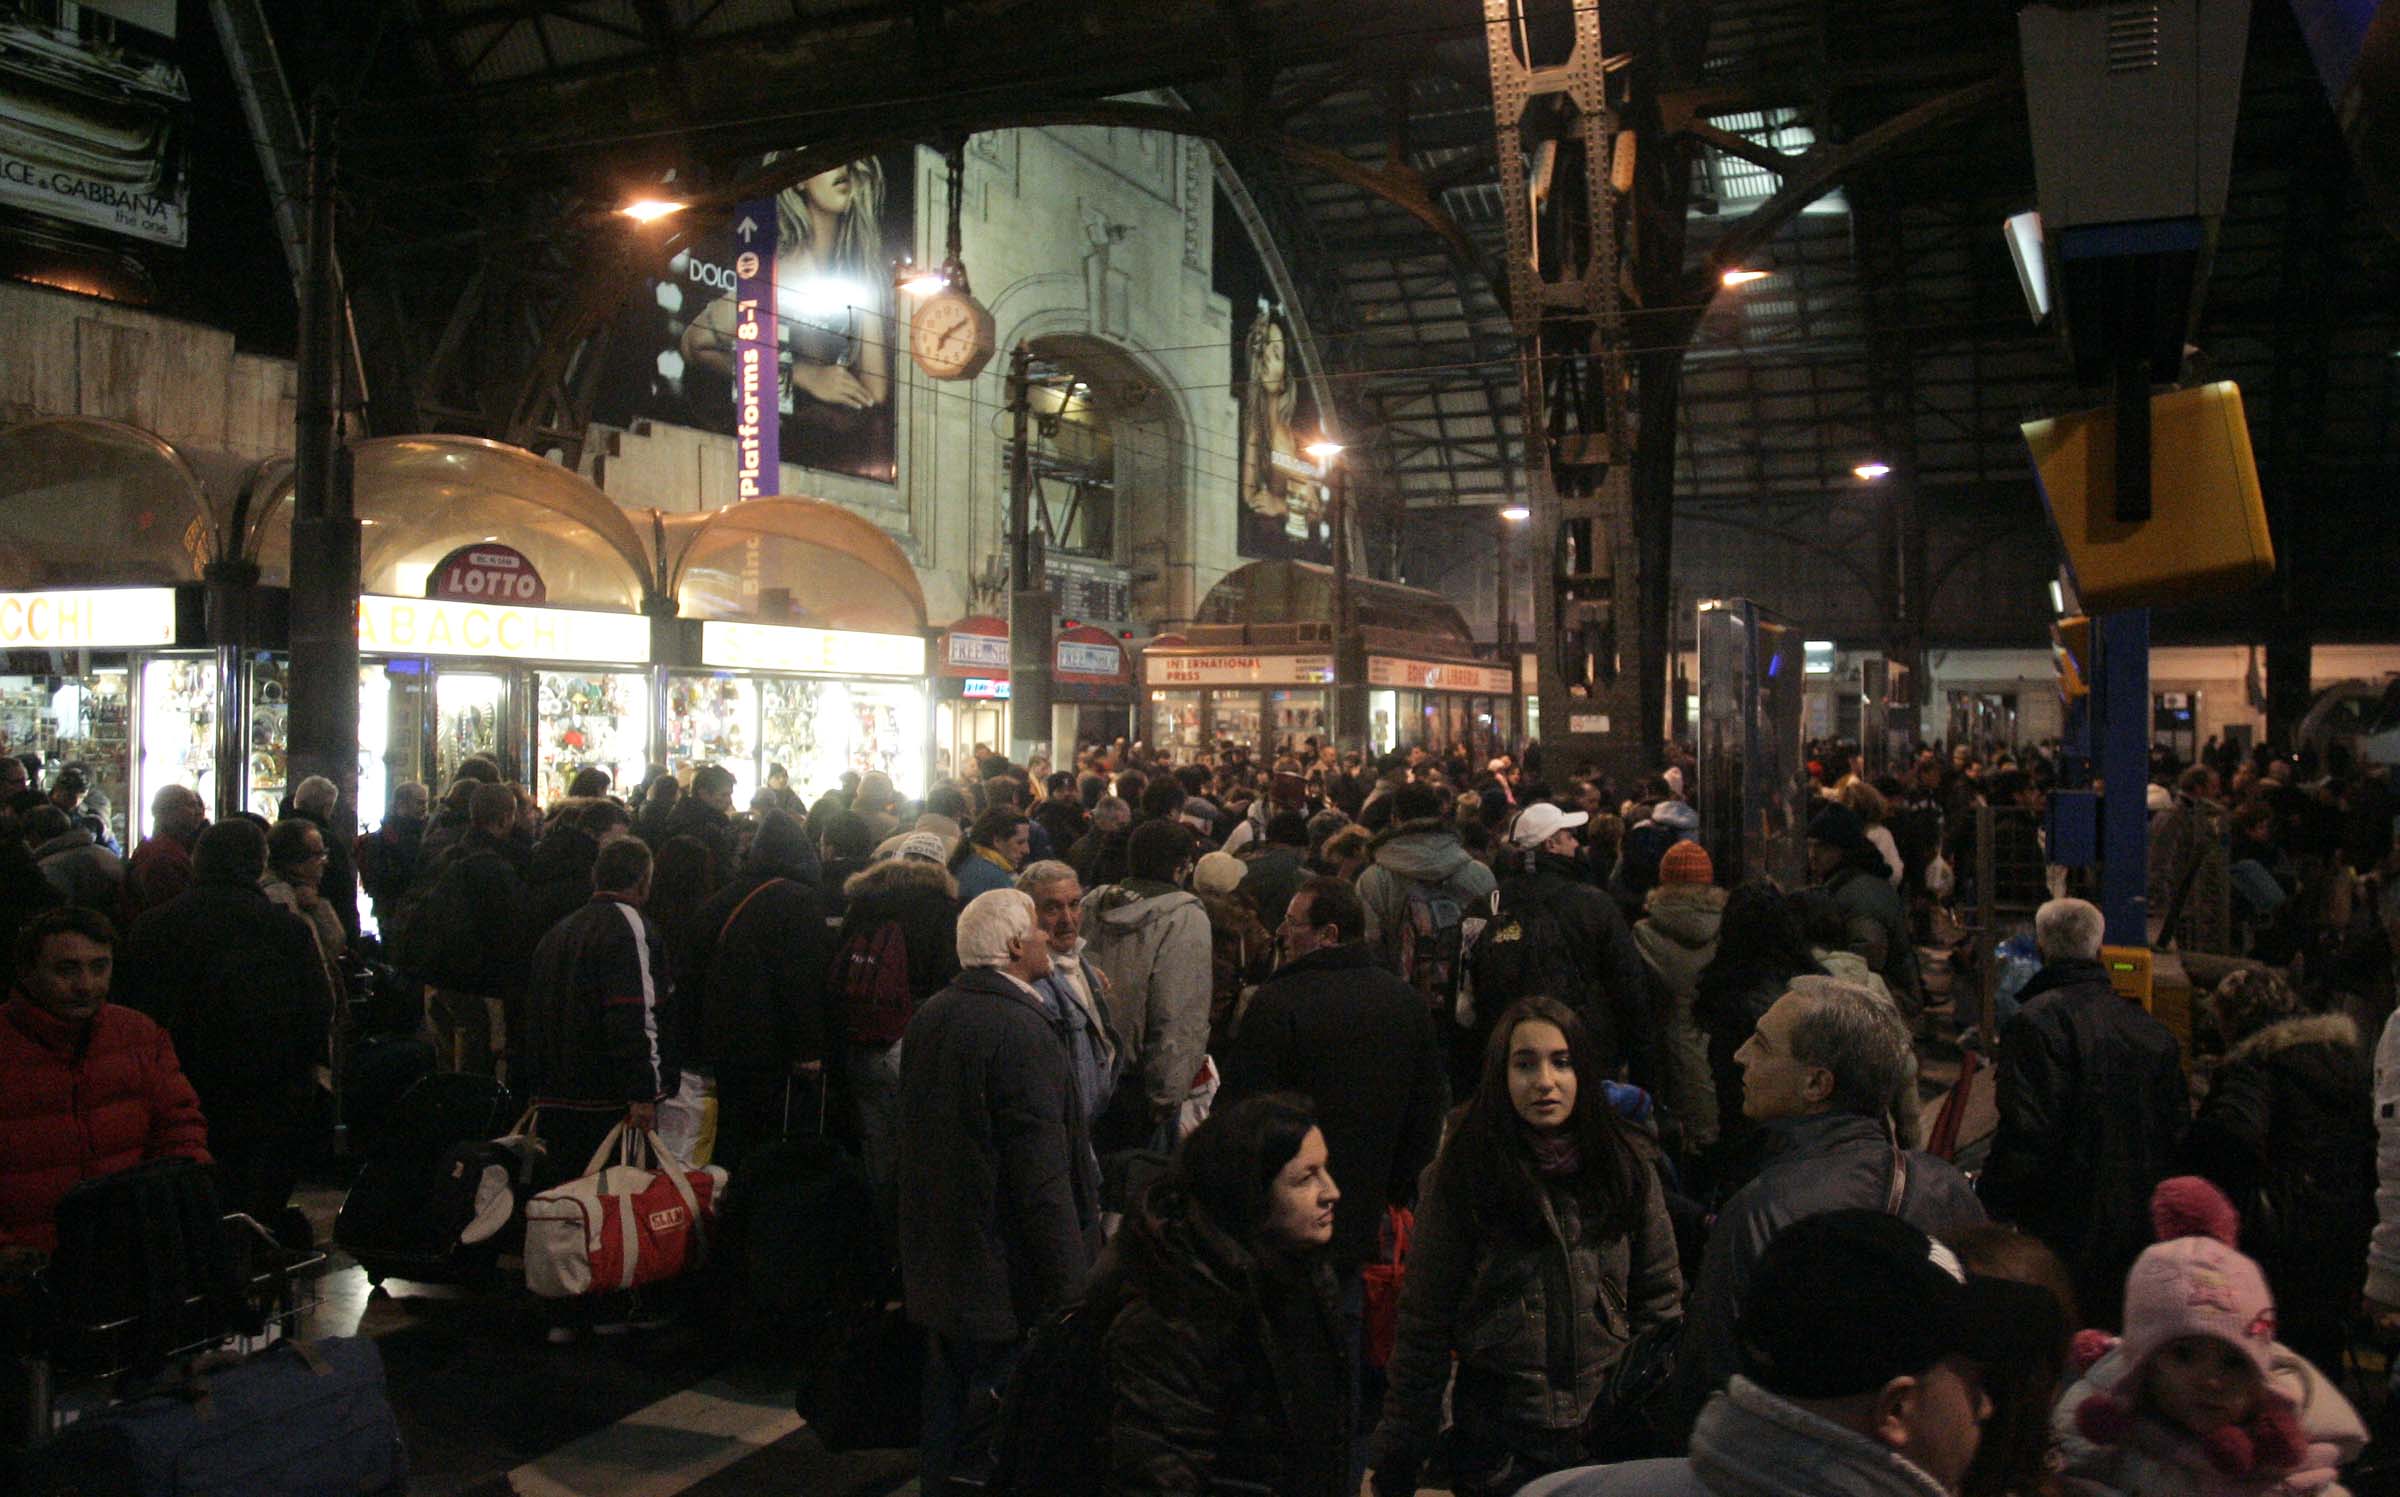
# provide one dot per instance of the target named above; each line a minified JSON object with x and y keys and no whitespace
{"x":758,"y":375}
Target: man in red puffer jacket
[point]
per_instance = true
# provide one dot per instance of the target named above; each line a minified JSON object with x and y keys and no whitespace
{"x":87,"y":1087}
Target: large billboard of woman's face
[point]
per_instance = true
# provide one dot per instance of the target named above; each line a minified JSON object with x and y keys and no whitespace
{"x":1283,"y":497}
{"x":837,"y":235}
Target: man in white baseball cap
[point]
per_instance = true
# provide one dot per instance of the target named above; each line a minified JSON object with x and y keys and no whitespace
{"x":1545,"y":827}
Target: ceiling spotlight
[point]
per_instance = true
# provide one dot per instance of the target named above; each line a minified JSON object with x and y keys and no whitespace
{"x":1871,"y":471}
{"x":651,"y":210}
{"x":1515,"y":512}
{"x":1324,"y":450}
{"x":1738,"y":277}
{"x":917,"y":281}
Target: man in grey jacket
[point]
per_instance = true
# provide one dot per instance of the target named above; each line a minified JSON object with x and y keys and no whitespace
{"x":1863,"y":1355}
{"x":1422,"y":848}
{"x":1150,"y":937}
{"x":1820,"y":1073}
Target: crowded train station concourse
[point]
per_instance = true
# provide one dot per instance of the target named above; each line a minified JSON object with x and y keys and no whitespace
{"x":1355,"y":749}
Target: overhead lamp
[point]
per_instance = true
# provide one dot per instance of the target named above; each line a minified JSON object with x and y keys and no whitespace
{"x":1515,"y":512}
{"x":1870,"y":471}
{"x":651,"y":210}
{"x":1739,"y":277}
{"x":916,"y":280}
{"x":1324,"y":450}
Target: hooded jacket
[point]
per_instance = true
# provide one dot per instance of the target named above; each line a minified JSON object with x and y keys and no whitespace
{"x":1417,"y":852}
{"x":81,"y":1099}
{"x":2288,"y":1131}
{"x":923,"y":898}
{"x":2158,"y":1460}
{"x":1826,"y":1162}
{"x":82,"y":871}
{"x":1878,"y":928}
{"x":1751,"y":1443}
{"x":1154,"y":943}
{"x":1226,"y":1366}
{"x":2092,"y":1104}
{"x":762,"y":955}
{"x":1678,"y":934}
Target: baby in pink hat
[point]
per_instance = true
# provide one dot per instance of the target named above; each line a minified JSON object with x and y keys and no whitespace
{"x":2199,"y":1397}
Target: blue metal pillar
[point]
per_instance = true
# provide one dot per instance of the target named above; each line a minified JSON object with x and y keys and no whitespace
{"x":2121,"y":709}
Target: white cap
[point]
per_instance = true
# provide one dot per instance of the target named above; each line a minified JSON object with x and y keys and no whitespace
{"x":1541,"y":821}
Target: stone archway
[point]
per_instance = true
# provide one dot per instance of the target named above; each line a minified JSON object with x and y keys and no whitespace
{"x":1106,"y":420}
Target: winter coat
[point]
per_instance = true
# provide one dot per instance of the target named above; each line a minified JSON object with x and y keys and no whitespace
{"x":2092,"y":1102}
{"x":82,"y":871}
{"x":1098,"y":856}
{"x":763,"y":955}
{"x":1517,"y":1303}
{"x":558,"y":876}
{"x":1826,"y":1162}
{"x":338,"y":882}
{"x":695,"y":818}
{"x":1678,"y":935}
{"x":995,"y":1177}
{"x":81,"y":1099}
{"x":2158,"y":1460}
{"x":1417,"y":852}
{"x":1062,"y":820}
{"x":159,"y":869}
{"x":599,"y":1025}
{"x":1154,"y":943}
{"x":239,"y":985}
{"x":1241,"y":952}
{"x":1272,"y":875}
{"x":924,"y":899}
{"x":1227,"y":1365}
{"x":1617,"y":1007}
{"x":483,"y":876}
{"x":389,"y":860}
{"x":1877,"y":923}
{"x":1359,"y":1043}
{"x":1751,"y":1443}
{"x":2288,"y":1131}
{"x":322,"y":924}
{"x":1077,"y":993}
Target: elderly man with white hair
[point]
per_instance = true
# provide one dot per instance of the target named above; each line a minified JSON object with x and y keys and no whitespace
{"x":314,"y":799}
{"x":2092,"y":1105}
{"x":996,"y":1179}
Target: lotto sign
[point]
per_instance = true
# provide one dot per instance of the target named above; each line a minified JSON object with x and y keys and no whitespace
{"x":486,"y":573}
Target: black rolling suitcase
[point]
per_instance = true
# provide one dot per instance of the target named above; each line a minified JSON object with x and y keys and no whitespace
{"x":403,"y":1215}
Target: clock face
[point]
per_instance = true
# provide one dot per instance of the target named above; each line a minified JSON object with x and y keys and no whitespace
{"x":947,"y":337}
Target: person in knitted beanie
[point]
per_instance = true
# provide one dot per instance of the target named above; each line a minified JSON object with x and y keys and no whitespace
{"x":2198,"y":1397}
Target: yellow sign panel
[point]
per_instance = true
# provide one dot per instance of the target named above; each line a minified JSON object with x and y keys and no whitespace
{"x":825,"y":652}
{"x":434,"y":626}
{"x":1240,"y":670}
{"x":1430,"y":675}
{"x":121,"y":618}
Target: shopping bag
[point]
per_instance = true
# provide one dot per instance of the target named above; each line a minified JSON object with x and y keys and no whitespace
{"x":1381,"y":1281}
{"x":687,"y":1121}
{"x":620,"y":1225}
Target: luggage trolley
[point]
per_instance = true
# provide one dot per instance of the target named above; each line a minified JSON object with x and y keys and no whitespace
{"x":87,"y":1366}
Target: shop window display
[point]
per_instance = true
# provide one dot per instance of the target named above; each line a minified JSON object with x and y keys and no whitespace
{"x":594,"y":720}
{"x":270,"y":736}
{"x":467,"y":712}
{"x":818,"y":729}
{"x":179,"y":732}
{"x":714,"y":720}
{"x":79,"y":719}
{"x":1175,"y":720}
{"x":1233,"y":716}
{"x":1299,"y":715}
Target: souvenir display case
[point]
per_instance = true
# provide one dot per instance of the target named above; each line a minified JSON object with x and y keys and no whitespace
{"x":590,"y":719}
{"x":270,"y":776}
{"x":713,"y":719}
{"x":468,"y":710}
{"x":819,"y":728}
{"x":178,"y":731}
{"x":82,"y":719}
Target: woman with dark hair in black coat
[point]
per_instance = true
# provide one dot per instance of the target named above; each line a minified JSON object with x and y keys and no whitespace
{"x":1542,"y":1248}
{"x":1226,"y":1361}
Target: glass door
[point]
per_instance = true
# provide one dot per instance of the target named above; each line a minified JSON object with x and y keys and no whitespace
{"x":469,"y":712}
{"x":179,"y":731}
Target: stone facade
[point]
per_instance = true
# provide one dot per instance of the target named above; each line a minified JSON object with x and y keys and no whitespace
{"x":1094,"y":244}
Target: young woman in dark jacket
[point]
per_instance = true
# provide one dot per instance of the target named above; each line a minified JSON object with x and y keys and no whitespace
{"x":1542,"y":1247}
{"x":2288,"y":1131}
{"x":1226,"y":1361}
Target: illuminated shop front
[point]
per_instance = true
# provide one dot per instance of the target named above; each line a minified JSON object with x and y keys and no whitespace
{"x":971,"y":691}
{"x":810,"y":650}
{"x":1262,"y":668}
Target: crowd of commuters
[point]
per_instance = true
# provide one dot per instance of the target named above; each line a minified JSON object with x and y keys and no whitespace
{"x":1193,"y":1049}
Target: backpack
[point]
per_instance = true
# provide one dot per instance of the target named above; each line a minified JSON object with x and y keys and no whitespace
{"x":434,"y":936}
{"x":1050,"y":1438}
{"x":1524,"y":951}
{"x":1434,"y":940}
{"x":872,"y":975}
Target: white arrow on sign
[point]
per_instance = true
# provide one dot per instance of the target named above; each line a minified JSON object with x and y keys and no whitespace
{"x":747,"y":228}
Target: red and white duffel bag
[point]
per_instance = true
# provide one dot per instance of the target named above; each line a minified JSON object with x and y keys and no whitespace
{"x":621,"y":1224}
